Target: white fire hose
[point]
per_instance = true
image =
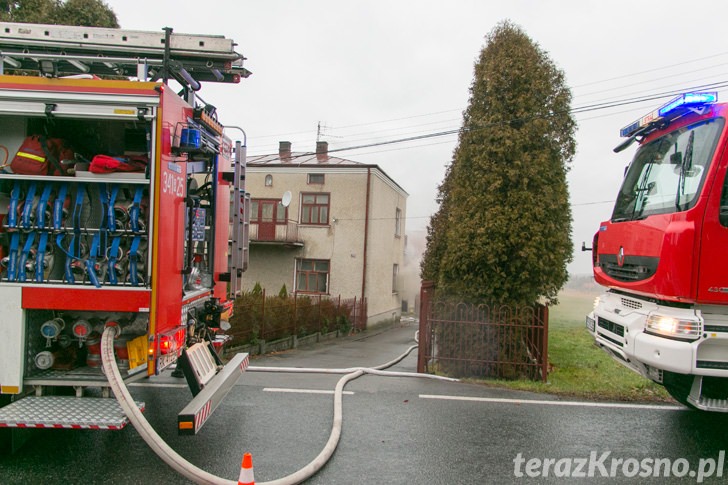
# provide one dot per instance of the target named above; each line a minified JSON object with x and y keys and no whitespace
{"x":192,"y":472}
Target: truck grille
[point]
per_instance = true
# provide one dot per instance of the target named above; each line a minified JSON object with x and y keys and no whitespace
{"x":708,"y":364}
{"x":634,"y":305}
{"x":633,"y":268}
{"x":610,"y":326}
{"x":627,"y":272}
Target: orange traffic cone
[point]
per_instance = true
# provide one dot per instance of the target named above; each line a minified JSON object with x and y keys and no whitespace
{"x":246,"y":471}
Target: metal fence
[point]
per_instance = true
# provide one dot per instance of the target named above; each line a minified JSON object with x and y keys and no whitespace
{"x":261,"y":317}
{"x":467,"y":340}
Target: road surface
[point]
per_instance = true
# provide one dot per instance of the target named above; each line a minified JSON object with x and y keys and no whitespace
{"x":396,"y":431}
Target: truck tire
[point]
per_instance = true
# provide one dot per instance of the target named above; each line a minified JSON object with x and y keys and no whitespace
{"x":5,"y":433}
{"x":12,"y":439}
{"x":678,"y":386}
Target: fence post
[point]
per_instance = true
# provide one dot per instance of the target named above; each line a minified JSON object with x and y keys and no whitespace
{"x":545,"y":344}
{"x":354,"y":322}
{"x":262,"y":317}
{"x":424,"y":341}
{"x":319,"y":314}
{"x":295,"y":323}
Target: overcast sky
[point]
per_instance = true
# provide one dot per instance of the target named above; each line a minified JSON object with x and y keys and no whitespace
{"x":372,"y":71}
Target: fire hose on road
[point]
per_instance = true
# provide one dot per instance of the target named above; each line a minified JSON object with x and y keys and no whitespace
{"x":192,"y":472}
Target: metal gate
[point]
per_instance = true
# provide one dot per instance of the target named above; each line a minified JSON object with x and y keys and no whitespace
{"x":470,"y":340}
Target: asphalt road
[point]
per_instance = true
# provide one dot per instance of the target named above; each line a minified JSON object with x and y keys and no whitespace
{"x":396,"y":430}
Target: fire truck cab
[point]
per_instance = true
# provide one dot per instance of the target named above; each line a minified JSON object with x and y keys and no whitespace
{"x":661,"y":254}
{"x":122,"y":203}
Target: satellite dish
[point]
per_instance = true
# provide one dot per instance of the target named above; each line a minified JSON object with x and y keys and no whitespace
{"x":286,"y":199}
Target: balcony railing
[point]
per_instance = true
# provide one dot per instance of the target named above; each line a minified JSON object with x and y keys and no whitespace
{"x":285,"y":234}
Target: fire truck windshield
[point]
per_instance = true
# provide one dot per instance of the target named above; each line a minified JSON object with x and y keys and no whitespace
{"x":667,"y":174}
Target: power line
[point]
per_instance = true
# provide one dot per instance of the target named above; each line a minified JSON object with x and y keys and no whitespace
{"x":651,"y":88}
{"x":362,"y":135}
{"x":400,"y":119}
{"x":576,"y":110}
{"x":651,"y":97}
{"x":650,"y":70}
{"x":267,"y":148}
{"x":608,"y":103}
{"x":662,"y":68}
{"x":368,"y":123}
{"x":593,"y":203}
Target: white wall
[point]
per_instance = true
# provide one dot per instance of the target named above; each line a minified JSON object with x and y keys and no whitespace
{"x":342,"y":240}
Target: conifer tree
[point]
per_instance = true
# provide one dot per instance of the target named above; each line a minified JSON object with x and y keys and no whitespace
{"x":503,"y":230}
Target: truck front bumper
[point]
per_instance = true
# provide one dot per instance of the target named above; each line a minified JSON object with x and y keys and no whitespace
{"x":618,"y":326}
{"x":665,"y":354}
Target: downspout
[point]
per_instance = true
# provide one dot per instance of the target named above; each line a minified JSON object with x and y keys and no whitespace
{"x":366,"y":237}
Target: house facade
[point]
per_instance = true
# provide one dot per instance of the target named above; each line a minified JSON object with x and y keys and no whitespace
{"x":324,"y":225}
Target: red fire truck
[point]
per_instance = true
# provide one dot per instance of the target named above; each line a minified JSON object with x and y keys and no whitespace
{"x":665,"y":313}
{"x":122,"y":204}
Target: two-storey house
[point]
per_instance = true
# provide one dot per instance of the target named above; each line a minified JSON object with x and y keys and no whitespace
{"x":321,"y":224}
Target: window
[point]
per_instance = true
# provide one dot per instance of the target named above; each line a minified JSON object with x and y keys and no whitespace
{"x":269,"y":180}
{"x":253,"y":211}
{"x":723,"y":214}
{"x":312,"y":275}
{"x":268,"y":210}
{"x":395,"y":274}
{"x":281,"y":213}
{"x":667,"y":174}
{"x":398,"y":222}
{"x":315,"y":209}
{"x":316,"y":178}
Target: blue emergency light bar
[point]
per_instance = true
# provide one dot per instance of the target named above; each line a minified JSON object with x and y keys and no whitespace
{"x":677,"y":105}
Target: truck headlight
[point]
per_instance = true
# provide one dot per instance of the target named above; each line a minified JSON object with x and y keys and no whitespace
{"x":673,"y":327}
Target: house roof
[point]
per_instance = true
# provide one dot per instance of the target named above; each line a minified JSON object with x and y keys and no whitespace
{"x":321,"y":159}
{"x":301,"y":158}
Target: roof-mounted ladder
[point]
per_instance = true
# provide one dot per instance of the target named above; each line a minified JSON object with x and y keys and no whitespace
{"x":60,"y":49}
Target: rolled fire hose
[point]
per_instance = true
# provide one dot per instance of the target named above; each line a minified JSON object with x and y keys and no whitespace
{"x":192,"y":472}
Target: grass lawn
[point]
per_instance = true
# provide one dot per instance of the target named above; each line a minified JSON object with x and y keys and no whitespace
{"x":578,"y":368}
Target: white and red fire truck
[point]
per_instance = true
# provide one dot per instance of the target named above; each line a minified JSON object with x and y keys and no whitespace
{"x":661,"y":255}
{"x":122,"y":204}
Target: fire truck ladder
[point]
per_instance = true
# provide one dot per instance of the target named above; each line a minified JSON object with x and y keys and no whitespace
{"x":55,"y":50}
{"x":240,"y":219}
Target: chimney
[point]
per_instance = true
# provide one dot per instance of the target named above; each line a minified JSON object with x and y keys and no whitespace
{"x":284,"y":151}
{"x":322,"y":151}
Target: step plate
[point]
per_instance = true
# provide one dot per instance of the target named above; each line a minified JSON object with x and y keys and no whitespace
{"x":64,"y":412}
{"x":196,"y":413}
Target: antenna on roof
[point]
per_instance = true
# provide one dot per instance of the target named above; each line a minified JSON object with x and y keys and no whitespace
{"x":320,"y":132}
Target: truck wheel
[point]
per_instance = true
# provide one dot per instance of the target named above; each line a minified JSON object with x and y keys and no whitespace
{"x":5,"y":433}
{"x":11,"y":439}
{"x":678,"y":386}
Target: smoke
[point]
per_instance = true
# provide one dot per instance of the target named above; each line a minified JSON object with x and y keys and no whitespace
{"x":409,"y":275}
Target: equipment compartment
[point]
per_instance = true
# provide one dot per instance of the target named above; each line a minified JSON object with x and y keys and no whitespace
{"x":80,"y":228}
{"x":67,"y":345}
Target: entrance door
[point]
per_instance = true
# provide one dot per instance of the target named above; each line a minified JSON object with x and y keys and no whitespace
{"x":267,"y":220}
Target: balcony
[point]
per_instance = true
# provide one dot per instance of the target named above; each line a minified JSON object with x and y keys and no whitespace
{"x":282,"y":234}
